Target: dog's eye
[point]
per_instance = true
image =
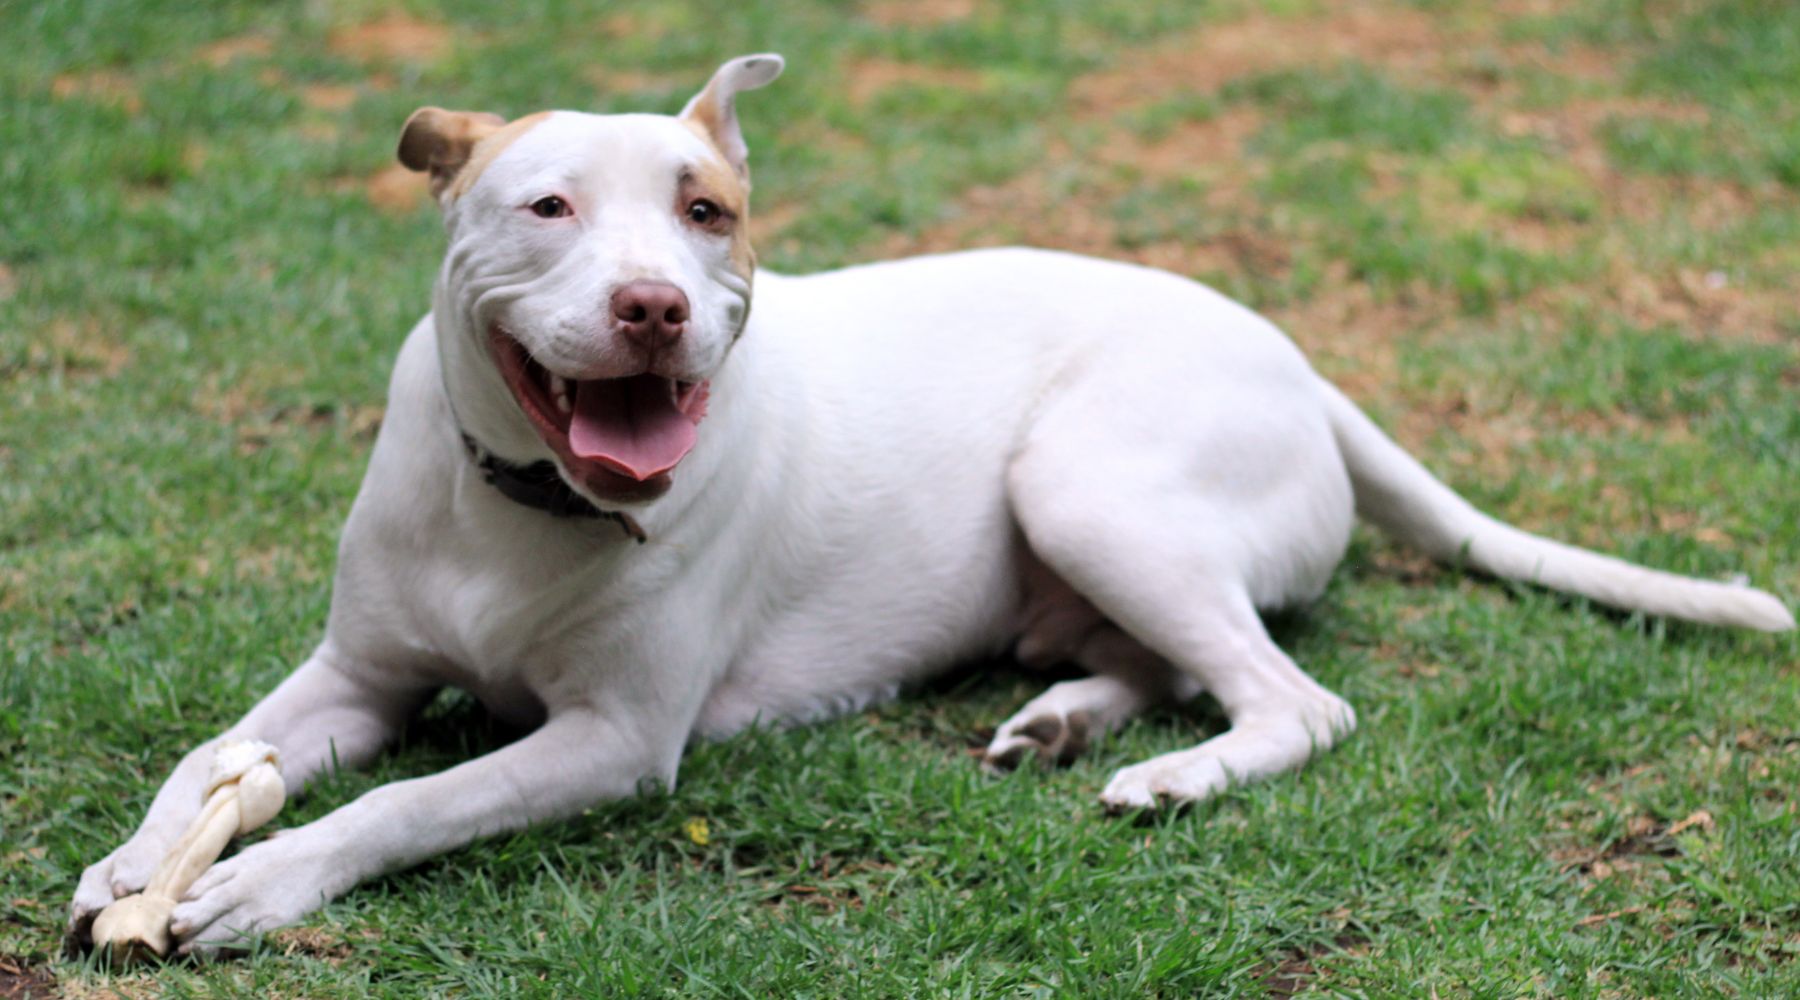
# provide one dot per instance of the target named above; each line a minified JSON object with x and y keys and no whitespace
{"x":551,"y":207}
{"x":703,"y":212}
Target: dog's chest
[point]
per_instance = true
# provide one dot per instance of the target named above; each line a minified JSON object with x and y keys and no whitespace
{"x":517,"y":618}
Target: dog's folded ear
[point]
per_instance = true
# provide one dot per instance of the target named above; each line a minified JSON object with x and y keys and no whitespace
{"x":440,"y":141}
{"x":714,"y":109}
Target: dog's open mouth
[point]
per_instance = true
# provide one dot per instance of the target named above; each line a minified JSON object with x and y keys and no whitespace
{"x":638,"y":427}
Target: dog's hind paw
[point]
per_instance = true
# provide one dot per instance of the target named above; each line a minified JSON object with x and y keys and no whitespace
{"x":1052,"y":738}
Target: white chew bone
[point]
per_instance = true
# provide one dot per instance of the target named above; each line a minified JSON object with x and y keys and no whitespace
{"x":243,"y":792}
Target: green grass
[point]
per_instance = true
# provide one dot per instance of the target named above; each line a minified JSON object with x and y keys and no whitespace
{"x":199,"y":304}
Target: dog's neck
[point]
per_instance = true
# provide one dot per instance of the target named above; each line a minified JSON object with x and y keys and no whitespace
{"x":540,"y":487}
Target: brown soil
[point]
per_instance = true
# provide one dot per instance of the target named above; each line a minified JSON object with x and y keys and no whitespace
{"x":395,"y":37}
{"x":229,"y":50}
{"x":917,"y":13}
{"x":328,"y":96}
{"x":1403,"y":40}
{"x":101,"y":86}
{"x":608,"y":80}
{"x":20,"y":980}
{"x":869,"y":77}
{"x":396,"y":190}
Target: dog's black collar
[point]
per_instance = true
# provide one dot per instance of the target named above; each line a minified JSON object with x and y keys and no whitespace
{"x":540,"y":487}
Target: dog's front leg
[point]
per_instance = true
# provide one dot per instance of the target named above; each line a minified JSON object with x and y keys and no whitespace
{"x":576,"y":759}
{"x":320,"y":715}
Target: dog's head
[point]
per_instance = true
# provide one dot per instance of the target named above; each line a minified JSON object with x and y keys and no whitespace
{"x":601,"y":265}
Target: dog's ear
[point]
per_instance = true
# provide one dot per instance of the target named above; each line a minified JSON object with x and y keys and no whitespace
{"x":440,"y":141}
{"x":714,"y":109}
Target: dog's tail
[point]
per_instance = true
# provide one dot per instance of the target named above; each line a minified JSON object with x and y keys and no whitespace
{"x":1397,"y":495}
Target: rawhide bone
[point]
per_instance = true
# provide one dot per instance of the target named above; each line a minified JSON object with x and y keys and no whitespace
{"x":243,"y":792}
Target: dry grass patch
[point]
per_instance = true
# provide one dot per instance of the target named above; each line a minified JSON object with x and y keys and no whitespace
{"x":328,"y":96}
{"x":1029,"y":208}
{"x":396,"y":190}
{"x":75,"y":348}
{"x":918,"y":13}
{"x":1403,"y":40}
{"x":612,"y":80}
{"x":1353,"y":336}
{"x":868,"y":78}
{"x":396,"y":37}
{"x":102,"y":87}
{"x":226,"y":51}
{"x":1211,"y":151}
{"x":1699,"y":302}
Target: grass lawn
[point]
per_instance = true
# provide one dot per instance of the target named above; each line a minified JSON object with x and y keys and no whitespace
{"x":1553,"y":246}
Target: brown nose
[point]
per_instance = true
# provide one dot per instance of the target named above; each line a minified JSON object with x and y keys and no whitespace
{"x":650,"y":313}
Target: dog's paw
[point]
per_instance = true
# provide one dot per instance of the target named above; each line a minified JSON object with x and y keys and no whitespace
{"x":1172,"y":779}
{"x":265,"y":886}
{"x":1051,"y":737}
{"x":121,"y":873}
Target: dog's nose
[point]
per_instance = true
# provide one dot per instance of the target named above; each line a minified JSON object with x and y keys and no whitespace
{"x":652,"y":313}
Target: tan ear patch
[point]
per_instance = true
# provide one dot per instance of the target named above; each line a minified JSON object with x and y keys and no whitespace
{"x":440,"y":142}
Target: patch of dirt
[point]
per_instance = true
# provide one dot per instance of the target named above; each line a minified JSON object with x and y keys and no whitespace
{"x":766,"y":225}
{"x":868,"y":77}
{"x":1447,"y":210}
{"x":396,"y":190}
{"x":1022,"y":210}
{"x":1575,"y":125}
{"x":257,"y":424}
{"x":319,"y":131}
{"x":835,"y":885}
{"x":1706,"y":301}
{"x":396,"y":37}
{"x":1352,"y":334}
{"x":20,"y":980}
{"x":1700,"y":303}
{"x":609,"y":80}
{"x":328,"y":96}
{"x":131,"y":986}
{"x":75,"y":348}
{"x":641,"y":24}
{"x":917,"y":13}
{"x":1493,"y":436}
{"x":100,"y":86}
{"x":1210,"y":151}
{"x":1645,"y":837}
{"x":1297,"y":972}
{"x":317,"y":942}
{"x":226,"y":51}
{"x":1066,"y":204}
{"x":1204,"y":59}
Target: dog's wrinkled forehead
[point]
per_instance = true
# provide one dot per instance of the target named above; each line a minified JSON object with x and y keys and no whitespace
{"x":570,"y":153}
{"x":467,"y":151}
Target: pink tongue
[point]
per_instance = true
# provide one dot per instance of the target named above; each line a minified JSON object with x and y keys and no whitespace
{"x":630,"y":425}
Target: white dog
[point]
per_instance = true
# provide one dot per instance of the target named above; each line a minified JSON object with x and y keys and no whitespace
{"x":617,"y":503}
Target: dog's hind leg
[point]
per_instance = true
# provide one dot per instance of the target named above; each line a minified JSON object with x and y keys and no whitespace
{"x":1059,"y":725}
{"x":1210,"y":632}
{"x":1179,"y":548}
